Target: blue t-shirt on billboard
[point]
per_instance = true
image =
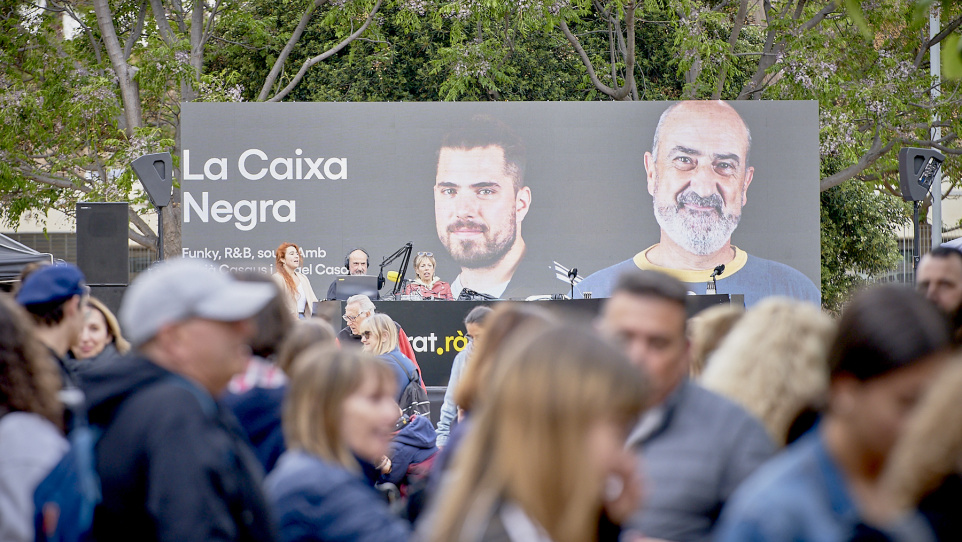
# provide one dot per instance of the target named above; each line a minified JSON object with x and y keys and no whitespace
{"x":755,"y":277}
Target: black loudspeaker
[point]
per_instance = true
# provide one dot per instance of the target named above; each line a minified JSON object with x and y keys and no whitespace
{"x":109,"y":295}
{"x":102,"y":252}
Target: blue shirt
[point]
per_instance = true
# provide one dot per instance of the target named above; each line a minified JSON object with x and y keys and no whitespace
{"x":800,"y":495}
{"x":754,"y":277}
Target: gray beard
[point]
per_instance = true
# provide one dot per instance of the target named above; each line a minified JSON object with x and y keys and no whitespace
{"x":700,"y":233}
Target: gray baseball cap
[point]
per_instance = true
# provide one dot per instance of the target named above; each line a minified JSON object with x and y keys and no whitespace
{"x":184,"y":288}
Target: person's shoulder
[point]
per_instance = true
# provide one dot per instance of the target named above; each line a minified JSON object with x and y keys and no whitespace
{"x":601,"y":282}
{"x":780,"y":273}
{"x":707,"y":413}
{"x":773,"y":499}
{"x":298,"y":474}
{"x":25,"y":434}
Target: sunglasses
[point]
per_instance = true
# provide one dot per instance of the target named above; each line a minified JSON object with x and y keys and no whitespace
{"x":367,"y":334}
{"x":351,"y":319}
{"x":428,"y":254}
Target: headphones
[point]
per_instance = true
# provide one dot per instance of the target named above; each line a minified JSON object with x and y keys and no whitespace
{"x":347,"y":259}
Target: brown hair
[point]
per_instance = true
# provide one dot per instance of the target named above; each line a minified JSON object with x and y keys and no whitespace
{"x":322,"y":378}
{"x":279,"y":266}
{"x":303,"y":335}
{"x":546,"y":395}
{"x":706,"y":330}
{"x":29,"y":381}
{"x":506,"y":321}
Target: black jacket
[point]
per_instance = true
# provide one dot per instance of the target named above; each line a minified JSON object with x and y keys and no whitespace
{"x":172,"y":462}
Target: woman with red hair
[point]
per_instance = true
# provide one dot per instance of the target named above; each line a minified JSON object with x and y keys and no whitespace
{"x":298,"y":294}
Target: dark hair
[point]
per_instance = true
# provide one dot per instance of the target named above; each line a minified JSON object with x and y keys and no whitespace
{"x":272,"y":321}
{"x":477,"y":315}
{"x":945,"y":252}
{"x":485,"y":131}
{"x":47,"y":314}
{"x":885,"y":328}
{"x":652,"y":284}
{"x":28,"y":379}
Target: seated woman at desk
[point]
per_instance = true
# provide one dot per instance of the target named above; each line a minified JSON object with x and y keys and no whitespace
{"x":425,"y":283}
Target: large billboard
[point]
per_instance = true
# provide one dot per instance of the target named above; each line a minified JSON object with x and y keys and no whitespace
{"x":508,"y":196}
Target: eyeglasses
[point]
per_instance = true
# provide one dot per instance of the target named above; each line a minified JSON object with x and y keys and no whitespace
{"x":351,"y":319}
{"x":428,"y":254}
{"x":366,"y":334}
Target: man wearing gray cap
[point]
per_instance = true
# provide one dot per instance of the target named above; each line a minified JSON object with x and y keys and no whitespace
{"x":171,"y":461}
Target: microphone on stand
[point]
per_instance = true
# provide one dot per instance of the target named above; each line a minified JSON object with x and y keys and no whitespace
{"x":572,"y":275}
{"x":713,"y":285}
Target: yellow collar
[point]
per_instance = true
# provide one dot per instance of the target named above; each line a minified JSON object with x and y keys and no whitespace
{"x":691,"y":275}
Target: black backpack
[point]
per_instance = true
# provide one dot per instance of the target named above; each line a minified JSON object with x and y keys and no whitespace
{"x":414,"y":400}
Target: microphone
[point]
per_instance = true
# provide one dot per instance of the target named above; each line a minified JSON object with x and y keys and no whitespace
{"x":573,"y":273}
{"x":393,"y":276}
{"x":718,"y":271}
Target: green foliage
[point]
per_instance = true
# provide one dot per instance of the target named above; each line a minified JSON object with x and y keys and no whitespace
{"x":858,"y":233}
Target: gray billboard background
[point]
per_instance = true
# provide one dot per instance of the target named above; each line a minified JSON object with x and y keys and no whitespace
{"x":585,"y":166}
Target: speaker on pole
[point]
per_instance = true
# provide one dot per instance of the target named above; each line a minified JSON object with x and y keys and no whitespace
{"x":102,"y":251}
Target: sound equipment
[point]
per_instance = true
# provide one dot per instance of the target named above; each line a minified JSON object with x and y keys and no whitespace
{"x":102,"y":251}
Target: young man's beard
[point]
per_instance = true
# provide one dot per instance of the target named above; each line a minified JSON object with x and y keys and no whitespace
{"x":481,"y":253}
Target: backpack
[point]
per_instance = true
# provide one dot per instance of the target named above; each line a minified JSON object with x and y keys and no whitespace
{"x":65,"y":499}
{"x":414,"y":400}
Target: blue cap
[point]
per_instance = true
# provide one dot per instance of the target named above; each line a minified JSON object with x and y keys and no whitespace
{"x":52,"y":283}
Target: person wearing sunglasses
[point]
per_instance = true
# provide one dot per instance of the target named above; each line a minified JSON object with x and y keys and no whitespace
{"x":425,"y":283}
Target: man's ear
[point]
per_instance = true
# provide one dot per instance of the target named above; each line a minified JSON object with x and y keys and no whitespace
{"x":650,"y":172}
{"x":749,"y":174}
{"x":522,"y":202}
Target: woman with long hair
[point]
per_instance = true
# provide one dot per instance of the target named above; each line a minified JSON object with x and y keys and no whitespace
{"x":101,"y":339}
{"x":425,"y":283}
{"x":338,"y":420}
{"x":299,"y":295}
{"x":889,"y":348}
{"x":379,"y":337}
{"x":545,"y":459}
{"x":31,"y":417}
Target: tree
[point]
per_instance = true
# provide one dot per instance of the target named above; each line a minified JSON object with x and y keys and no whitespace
{"x":80,"y":107}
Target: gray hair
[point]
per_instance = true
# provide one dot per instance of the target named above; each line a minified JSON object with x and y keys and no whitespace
{"x":364,"y":302}
{"x":477,"y":315}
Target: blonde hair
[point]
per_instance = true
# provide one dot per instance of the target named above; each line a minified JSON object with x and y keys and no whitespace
{"x":113,"y":326}
{"x":930,"y":448}
{"x":504,"y":322}
{"x":706,"y":330}
{"x":384,"y":333}
{"x":303,"y":335}
{"x":322,"y":378}
{"x":421,"y":257}
{"x":774,"y":362}
{"x":527,"y":445}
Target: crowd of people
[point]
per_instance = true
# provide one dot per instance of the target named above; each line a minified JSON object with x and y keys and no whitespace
{"x":225,"y":410}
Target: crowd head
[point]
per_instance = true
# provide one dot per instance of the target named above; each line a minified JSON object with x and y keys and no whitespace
{"x":547,"y":438}
{"x":340,"y":406}
{"x":646,"y":315}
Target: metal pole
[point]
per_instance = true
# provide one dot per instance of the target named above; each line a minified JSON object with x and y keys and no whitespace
{"x":160,"y":232}
{"x":935,"y":65}
{"x":916,"y":242}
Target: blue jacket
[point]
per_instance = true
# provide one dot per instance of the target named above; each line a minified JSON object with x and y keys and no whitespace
{"x":414,"y":443}
{"x":395,"y":359}
{"x":317,"y":500}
